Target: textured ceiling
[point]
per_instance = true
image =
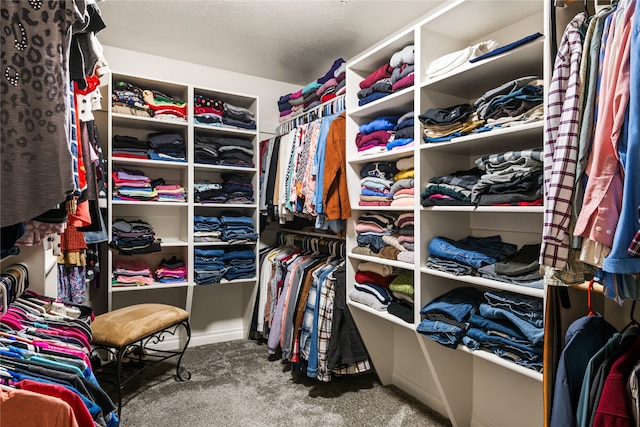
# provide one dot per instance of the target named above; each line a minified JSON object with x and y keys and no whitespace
{"x":290,"y":41}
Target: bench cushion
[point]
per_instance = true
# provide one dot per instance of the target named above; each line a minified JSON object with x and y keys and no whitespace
{"x":127,"y":325}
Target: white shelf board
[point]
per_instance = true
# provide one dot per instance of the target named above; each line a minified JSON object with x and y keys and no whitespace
{"x":526,"y":135}
{"x":115,"y":160}
{"x":155,"y":285}
{"x":392,"y":155}
{"x":486,"y":283}
{"x":491,"y":209}
{"x":385,"y":261}
{"x":492,"y":358}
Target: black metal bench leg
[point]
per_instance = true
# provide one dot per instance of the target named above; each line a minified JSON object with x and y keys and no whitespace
{"x":187,"y":329}
{"x":119,"y":355}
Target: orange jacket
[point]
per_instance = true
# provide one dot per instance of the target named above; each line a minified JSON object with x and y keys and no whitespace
{"x":335,"y":197}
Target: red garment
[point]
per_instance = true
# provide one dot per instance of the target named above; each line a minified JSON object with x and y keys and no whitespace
{"x":327,"y":97}
{"x":80,"y":411}
{"x":72,"y":240}
{"x":375,"y":278}
{"x":614,"y":408}
{"x":384,"y":72}
{"x":18,"y":410}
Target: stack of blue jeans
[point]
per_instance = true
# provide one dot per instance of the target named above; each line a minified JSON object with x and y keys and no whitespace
{"x":208,"y":266}
{"x":505,"y":323}
{"x":207,"y":229}
{"x":237,"y":227}
{"x":511,"y":328}
{"x":446,"y":317}
{"x":239,"y":264}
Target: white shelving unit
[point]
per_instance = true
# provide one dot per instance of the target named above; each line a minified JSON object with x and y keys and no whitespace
{"x":221,"y":311}
{"x":471,"y":388}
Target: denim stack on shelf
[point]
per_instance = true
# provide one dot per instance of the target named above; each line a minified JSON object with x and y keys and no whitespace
{"x":501,"y":322}
{"x":239,"y":264}
{"x":237,"y":227}
{"x":207,"y":229}
{"x":488,"y":257}
{"x":208,"y":266}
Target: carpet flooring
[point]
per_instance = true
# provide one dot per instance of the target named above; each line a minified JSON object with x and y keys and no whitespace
{"x":236,"y":384}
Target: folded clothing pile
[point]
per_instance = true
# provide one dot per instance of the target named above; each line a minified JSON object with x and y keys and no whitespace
{"x":375,"y":183}
{"x":216,"y":112}
{"x":393,"y":76}
{"x":131,"y":273}
{"x":373,"y":136}
{"x":504,"y":323}
{"x":133,"y":237}
{"x":171,"y":270}
{"x":128,"y":98}
{"x":516,"y":102}
{"x":316,"y":92}
{"x":402,"y":188}
{"x":488,"y":257}
{"x":213,"y":265}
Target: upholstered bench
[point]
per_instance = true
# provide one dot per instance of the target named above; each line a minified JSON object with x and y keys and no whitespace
{"x":133,"y":333}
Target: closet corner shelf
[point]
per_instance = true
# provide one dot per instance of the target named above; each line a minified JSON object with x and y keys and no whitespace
{"x":486,"y":283}
{"x":385,"y":261}
{"x":155,"y":285}
{"x":383,"y":314}
{"x":463,"y":80}
{"x":518,"y":138}
{"x":395,"y":103}
{"x":492,"y":358}
{"x":494,"y":209}
{"x":385,"y":155}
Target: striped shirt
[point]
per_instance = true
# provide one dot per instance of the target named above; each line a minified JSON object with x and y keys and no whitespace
{"x":561,"y":146}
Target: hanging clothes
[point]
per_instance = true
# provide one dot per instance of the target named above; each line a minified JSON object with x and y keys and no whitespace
{"x":301,"y":310}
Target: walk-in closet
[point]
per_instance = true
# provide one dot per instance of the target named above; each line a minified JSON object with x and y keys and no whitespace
{"x":337,"y":212}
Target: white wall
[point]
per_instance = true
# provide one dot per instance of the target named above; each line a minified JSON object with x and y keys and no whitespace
{"x":160,"y":68}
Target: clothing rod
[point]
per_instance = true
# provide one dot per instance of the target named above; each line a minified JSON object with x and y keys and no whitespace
{"x":312,"y":234}
{"x":336,"y":105}
{"x":312,"y":243}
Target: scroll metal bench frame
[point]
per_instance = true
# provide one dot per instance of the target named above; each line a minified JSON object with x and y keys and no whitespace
{"x":147,"y":357}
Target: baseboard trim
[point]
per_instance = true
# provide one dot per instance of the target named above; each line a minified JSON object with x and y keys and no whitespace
{"x":479,"y":422}
{"x":423,"y":395}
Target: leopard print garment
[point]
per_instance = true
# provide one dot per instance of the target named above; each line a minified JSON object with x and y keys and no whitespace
{"x":35,"y":158}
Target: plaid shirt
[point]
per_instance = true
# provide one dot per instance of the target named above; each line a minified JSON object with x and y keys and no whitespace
{"x":561,"y":146}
